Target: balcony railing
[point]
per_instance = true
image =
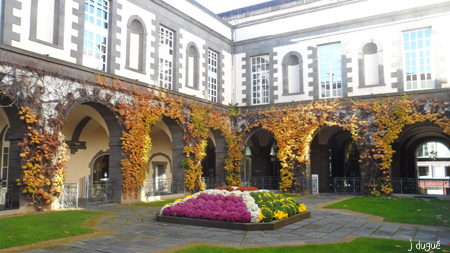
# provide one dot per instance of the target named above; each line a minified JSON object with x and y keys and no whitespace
{"x":213,"y":182}
{"x":159,"y":187}
{"x":421,"y":186}
{"x":349,"y":185}
{"x":69,"y":198}
{"x":100,"y":192}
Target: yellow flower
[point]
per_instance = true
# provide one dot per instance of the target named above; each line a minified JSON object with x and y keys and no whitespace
{"x":278,"y":215}
{"x":261,"y":216}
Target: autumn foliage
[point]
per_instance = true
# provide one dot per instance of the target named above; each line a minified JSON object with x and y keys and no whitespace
{"x":44,"y":159}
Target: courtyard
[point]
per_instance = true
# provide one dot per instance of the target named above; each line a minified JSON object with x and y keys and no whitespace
{"x":136,"y":230}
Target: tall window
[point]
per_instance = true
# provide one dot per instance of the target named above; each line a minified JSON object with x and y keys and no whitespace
{"x":417,"y":50}
{"x":212,"y":76}
{"x":96,"y":34}
{"x":45,"y":20}
{"x":166,"y":57}
{"x":136,"y":44}
{"x":5,"y":159}
{"x":371,"y":73}
{"x":260,"y":80}
{"x":330,"y":71}
{"x":292,"y":74}
{"x":192,"y":67}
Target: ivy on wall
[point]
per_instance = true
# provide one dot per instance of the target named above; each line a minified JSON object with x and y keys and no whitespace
{"x":44,"y":158}
{"x":374,"y":126}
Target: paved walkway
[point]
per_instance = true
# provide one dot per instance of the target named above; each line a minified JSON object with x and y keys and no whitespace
{"x":140,"y":232}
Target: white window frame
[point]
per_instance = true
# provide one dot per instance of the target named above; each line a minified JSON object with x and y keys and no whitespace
{"x":330,"y":71}
{"x":260,"y":71}
{"x":166,"y":53}
{"x":418,"y":60}
{"x":96,"y":34}
{"x":212,"y":75}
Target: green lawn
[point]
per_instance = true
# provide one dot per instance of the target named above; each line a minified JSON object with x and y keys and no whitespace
{"x":358,"y":245}
{"x":415,"y":211}
{"x":28,"y":229}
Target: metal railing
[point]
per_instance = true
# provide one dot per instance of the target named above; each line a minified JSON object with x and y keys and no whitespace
{"x":69,"y":197}
{"x":6,"y":193}
{"x":159,"y":187}
{"x":267,"y":183}
{"x":420,"y":186}
{"x":349,"y":185}
{"x":100,"y":192}
{"x":212,"y":182}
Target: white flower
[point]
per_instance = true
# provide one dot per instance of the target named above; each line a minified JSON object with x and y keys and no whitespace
{"x":255,"y":216}
{"x":236,"y":193}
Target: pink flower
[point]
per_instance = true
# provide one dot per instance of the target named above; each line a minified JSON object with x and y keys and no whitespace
{"x":245,"y":217}
{"x":233,"y":217}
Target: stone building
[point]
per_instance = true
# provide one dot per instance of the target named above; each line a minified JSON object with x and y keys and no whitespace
{"x":281,"y":52}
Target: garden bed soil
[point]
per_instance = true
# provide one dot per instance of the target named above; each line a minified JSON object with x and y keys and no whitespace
{"x":275,"y":224}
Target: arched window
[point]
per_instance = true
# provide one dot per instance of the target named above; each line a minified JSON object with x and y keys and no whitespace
{"x":371,"y":75}
{"x":47,"y":22}
{"x":371,"y":64}
{"x":292,"y":74}
{"x":192,"y":61}
{"x":136,"y":44}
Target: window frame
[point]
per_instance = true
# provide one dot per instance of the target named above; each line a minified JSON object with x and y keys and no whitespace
{"x":166,"y":54}
{"x":257,"y":78}
{"x":58,"y":23}
{"x":333,"y":71}
{"x":213,"y":75}
{"x":142,"y":45}
{"x":429,"y":81}
{"x":100,"y":33}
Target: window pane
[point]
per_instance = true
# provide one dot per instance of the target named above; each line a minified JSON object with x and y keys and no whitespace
{"x":260,"y":79}
{"x":330,"y":70}
{"x":417,"y":59}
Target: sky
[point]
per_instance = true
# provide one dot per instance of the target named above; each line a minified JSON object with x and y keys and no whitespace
{"x":218,"y":6}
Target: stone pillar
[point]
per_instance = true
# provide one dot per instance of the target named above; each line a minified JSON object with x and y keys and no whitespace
{"x":115,"y":169}
{"x":177,"y":154}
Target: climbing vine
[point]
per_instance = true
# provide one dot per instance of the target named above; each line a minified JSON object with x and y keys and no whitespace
{"x":293,"y":130}
{"x":44,"y":159}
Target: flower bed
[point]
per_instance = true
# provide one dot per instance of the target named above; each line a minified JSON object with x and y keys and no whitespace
{"x":240,"y":188}
{"x":234,"y":206}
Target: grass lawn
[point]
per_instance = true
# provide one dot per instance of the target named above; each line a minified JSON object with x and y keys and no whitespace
{"x":415,"y":211}
{"x":358,"y":245}
{"x":28,"y":229}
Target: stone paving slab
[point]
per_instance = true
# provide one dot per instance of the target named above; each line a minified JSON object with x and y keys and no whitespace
{"x":139,"y":231}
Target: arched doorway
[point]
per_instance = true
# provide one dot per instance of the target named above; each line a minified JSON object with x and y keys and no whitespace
{"x":100,"y":168}
{"x":11,"y":134}
{"x":421,"y":162}
{"x":93,"y":137}
{"x":160,"y":177}
{"x":334,"y":160}
{"x":261,"y":168}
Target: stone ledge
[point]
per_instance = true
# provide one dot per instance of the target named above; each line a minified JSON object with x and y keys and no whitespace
{"x":276,"y":224}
